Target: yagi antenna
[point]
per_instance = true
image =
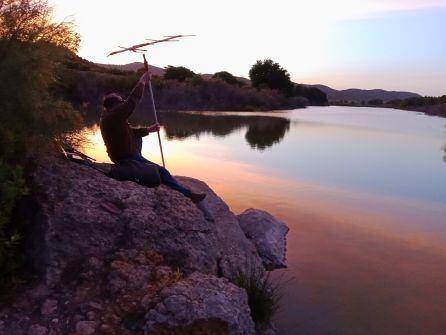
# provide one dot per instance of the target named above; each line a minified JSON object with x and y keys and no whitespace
{"x":137,"y":47}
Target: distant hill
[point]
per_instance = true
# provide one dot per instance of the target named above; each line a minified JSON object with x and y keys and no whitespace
{"x":358,"y":95}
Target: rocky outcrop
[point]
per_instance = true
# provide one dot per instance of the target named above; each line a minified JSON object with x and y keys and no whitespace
{"x":268,"y":235}
{"x":78,"y":224}
{"x":115,"y":257}
{"x":221,"y":307}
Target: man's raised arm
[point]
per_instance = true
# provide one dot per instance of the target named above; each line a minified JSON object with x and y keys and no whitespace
{"x":137,"y":92}
{"x":123,"y":110}
{"x":135,"y":96}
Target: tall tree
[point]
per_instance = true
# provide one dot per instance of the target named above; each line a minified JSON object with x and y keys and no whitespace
{"x":268,"y":74}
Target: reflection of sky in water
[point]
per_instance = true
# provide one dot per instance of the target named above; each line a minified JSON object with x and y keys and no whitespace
{"x":387,"y":162}
{"x":381,"y":151}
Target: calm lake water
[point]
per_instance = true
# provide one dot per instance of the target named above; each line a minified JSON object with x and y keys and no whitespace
{"x":363,"y":191}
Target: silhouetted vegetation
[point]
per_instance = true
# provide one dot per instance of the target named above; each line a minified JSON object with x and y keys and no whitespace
{"x":314,"y":95}
{"x":268,"y":74}
{"x":423,"y":101}
{"x":428,"y":105}
{"x":179,"y":73}
{"x":376,"y":102}
{"x":227,"y":78}
{"x":85,"y":89}
{"x":31,"y":46}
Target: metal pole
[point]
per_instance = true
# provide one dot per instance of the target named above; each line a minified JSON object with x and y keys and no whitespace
{"x":154,"y":113}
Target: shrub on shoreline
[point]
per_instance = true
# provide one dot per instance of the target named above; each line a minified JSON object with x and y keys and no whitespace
{"x":31,"y":46}
{"x":263,"y":297}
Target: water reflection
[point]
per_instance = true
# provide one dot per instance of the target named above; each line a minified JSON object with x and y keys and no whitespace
{"x":262,"y":131}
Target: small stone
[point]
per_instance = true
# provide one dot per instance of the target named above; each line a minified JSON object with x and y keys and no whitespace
{"x":55,"y":321}
{"x":37,"y":330}
{"x":48,"y":307}
{"x":86,"y":327}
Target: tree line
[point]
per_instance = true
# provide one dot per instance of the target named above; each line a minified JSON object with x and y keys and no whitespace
{"x":179,"y":88}
{"x":428,"y":104}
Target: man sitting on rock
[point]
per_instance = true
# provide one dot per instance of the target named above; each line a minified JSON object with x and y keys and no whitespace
{"x":124,"y":142}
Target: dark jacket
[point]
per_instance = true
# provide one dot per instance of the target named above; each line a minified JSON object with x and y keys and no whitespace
{"x":119,"y":137}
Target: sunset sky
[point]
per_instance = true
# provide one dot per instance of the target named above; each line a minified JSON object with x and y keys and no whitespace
{"x":389,"y":44}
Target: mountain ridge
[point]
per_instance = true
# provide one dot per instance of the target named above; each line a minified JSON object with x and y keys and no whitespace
{"x":359,"y":95}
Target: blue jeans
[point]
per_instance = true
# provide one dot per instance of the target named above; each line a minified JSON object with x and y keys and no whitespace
{"x":166,"y":178}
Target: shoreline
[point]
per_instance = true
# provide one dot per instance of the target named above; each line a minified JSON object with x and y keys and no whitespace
{"x":431,"y":110}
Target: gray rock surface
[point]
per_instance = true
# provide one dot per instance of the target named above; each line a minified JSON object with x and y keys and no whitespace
{"x":202,"y":298}
{"x":113,"y":257}
{"x":268,"y":235}
{"x":79,"y":227}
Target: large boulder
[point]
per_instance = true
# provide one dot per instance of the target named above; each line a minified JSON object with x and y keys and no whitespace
{"x":76,"y":223}
{"x":117,"y":258}
{"x":213,"y":305}
{"x":268,"y":235}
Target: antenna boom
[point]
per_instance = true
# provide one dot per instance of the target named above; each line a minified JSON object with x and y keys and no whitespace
{"x":136,"y":47}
